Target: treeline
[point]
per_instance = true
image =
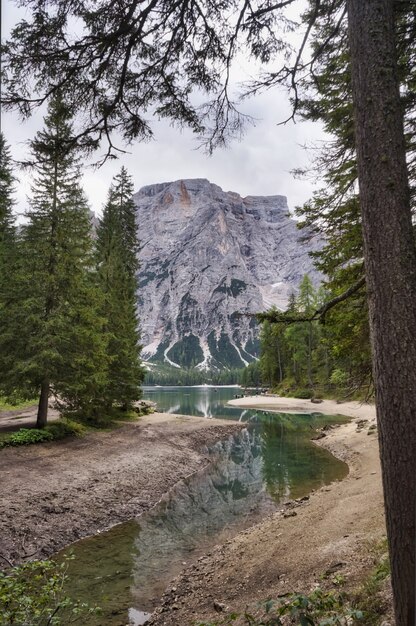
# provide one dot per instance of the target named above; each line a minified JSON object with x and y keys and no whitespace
{"x":310,"y":357}
{"x":163,"y":375}
{"x":68,"y":323}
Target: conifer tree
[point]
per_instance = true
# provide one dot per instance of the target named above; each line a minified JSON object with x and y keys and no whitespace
{"x":7,"y":241}
{"x":55,"y":345}
{"x":117,"y":247}
{"x":7,"y":228}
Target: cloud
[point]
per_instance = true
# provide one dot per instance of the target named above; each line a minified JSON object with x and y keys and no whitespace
{"x":259,"y":164}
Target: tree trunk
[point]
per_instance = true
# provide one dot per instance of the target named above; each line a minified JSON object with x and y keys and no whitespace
{"x":279,"y":362}
{"x":42,"y":417}
{"x":390,"y":260}
{"x":310,"y":381}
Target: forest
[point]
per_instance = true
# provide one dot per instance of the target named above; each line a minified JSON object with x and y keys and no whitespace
{"x":68,"y":321}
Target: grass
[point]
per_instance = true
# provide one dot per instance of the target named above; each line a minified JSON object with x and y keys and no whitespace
{"x":6,"y":405}
{"x":372,"y":598}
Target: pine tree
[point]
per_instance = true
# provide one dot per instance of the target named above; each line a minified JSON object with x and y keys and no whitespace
{"x":7,"y":228}
{"x":7,"y":225}
{"x":117,"y":247}
{"x":55,"y":343}
{"x":7,"y":243}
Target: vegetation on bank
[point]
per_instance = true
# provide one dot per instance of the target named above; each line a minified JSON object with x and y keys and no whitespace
{"x":52,"y":432}
{"x":15,"y":404}
{"x":65,"y":428}
{"x":365,"y":605}
{"x":33,"y":594}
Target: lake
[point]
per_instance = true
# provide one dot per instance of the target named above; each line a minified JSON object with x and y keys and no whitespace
{"x":126,"y":569}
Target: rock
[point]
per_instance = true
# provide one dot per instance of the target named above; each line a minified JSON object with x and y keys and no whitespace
{"x":361,"y":422}
{"x":206,"y":256}
{"x":334,"y":567}
{"x":316,"y":400}
{"x":320,"y":435}
{"x":290,"y":514}
{"x":220,"y":607}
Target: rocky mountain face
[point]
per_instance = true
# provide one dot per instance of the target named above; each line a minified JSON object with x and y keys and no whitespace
{"x":208,"y":256}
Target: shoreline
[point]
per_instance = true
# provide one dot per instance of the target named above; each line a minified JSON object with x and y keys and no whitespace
{"x":330,"y":531}
{"x":58,"y":492}
{"x":353,"y":409}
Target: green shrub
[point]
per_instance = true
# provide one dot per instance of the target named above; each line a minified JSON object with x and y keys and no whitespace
{"x":33,"y":595}
{"x":319,"y":608}
{"x":52,"y":432}
{"x":11,"y":403}
{"x":371,"y":598}
{"x":339,"y":378}
{"x":27,"y":436}
{"x":66,"y":428}
{"x":303,"y":394}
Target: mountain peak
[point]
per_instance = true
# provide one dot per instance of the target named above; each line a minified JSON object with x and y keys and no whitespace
{"x":208,"y":255}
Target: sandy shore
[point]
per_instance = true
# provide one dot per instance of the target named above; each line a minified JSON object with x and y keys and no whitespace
{"x":55,"y":493}
{"x":293,"y":549}
{"x":358,"y":410}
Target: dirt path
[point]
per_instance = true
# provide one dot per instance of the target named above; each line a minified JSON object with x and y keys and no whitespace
{"x":292,"y":549}
{"x":22,"y":418}
{"x":55,"y":493}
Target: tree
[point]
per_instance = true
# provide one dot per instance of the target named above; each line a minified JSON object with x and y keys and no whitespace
{"x":7,"y":220}
{"x":271,"y":343}
{"x":53,"y":343}
{"x":126,"y":60}
{"x":390,"y":261}
{"x":7,"y":226}
{"x":117,"y":249}
{"x":8,"y":241}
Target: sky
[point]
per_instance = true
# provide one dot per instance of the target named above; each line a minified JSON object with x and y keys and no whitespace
{"x":260,"y":164}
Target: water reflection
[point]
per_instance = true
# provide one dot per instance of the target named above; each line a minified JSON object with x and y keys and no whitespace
{"x":248,"y":477}
{"x":197,"y":401}
{"x":200,"y":511}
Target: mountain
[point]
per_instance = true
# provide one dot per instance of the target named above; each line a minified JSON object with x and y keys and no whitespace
{"x":207,"y":256}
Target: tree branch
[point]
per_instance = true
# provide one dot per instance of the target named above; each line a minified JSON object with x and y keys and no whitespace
{"x":277,"y":317}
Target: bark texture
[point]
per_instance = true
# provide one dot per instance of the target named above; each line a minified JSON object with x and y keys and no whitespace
{"x":390,"y":260}
{"x":42,"y":416}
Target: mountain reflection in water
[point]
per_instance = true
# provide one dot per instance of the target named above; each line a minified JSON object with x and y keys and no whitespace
{"x":249,"y":475}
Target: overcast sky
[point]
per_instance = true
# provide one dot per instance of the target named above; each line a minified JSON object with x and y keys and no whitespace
{"x":260,"y":164}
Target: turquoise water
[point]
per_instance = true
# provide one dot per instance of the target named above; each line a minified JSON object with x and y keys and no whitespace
{"x":198,"y":401}
{"x":250,"y":474}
